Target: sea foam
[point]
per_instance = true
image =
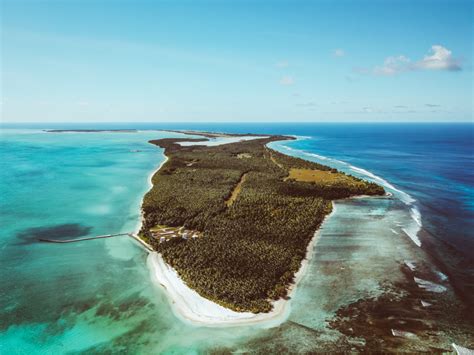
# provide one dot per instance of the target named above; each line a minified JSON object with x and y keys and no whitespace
{"x":411,"y":230}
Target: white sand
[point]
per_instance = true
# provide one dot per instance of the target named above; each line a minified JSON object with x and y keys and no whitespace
{"x":192,"y":307}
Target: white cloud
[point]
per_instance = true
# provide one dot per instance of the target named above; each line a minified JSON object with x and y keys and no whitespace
{"x":282,"y":64}
{"x":287,"y":80}
{"x":393,"y":65}
{"x":339,"y":52}
{"x":440,"y":58}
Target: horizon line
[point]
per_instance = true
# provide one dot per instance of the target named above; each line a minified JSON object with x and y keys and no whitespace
{"x":227,"y":122}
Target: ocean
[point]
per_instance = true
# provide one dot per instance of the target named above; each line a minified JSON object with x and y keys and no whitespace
{"x":97,"y":296}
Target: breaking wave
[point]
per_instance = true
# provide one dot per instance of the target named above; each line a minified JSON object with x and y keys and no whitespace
{"x":404,"y":197}
{"x":412,"y":229}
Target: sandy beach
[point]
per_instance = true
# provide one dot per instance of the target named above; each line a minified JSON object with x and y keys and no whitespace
{"x":191,"y":307}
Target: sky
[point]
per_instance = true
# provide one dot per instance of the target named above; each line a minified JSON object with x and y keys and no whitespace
{"x":233,"y":61}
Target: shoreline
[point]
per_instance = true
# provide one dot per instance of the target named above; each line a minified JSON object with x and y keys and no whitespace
{"x":193,"y":308}
{"x":188,"y":305}
{"x":150,"y":185}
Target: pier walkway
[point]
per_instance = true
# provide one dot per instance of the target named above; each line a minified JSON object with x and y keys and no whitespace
{"x":81,"y":239}
{"x":131,"y":235}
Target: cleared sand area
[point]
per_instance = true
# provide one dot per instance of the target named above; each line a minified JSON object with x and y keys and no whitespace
{"x":318,"y":176}
{"x":236,"y":191}
{"x":275,"y":161}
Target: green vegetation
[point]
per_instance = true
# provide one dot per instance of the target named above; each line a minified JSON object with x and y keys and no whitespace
{"x":249,"y":248}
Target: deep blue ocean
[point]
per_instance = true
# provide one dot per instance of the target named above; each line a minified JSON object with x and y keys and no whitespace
{"x":76,"y":299}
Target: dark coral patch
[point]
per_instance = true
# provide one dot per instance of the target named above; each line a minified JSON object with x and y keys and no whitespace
{"x":60,"y":231}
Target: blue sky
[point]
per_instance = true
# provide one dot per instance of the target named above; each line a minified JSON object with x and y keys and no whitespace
{"x":150,"y":61}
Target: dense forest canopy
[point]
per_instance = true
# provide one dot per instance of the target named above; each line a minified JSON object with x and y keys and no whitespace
{"x":255,"y":218}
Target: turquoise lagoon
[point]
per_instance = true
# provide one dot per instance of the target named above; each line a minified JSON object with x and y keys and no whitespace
{"x":97,"y":296}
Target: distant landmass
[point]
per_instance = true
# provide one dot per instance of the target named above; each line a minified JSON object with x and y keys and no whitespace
{"x":89,"y":130}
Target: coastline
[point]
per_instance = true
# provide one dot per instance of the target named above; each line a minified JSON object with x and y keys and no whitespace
{"x":150,"y":185}
{"x":191,"y":307}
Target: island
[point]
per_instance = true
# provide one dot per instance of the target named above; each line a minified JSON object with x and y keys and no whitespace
{"x":90,"y":130}
{"x":235,"y":220}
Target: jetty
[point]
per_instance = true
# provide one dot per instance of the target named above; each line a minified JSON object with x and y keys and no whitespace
{"x":81,"y":239}
{"x":131,"y":235}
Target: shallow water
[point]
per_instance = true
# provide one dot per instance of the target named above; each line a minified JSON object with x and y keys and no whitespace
{"x":97,"y":295}
{"x":88,"y":296}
